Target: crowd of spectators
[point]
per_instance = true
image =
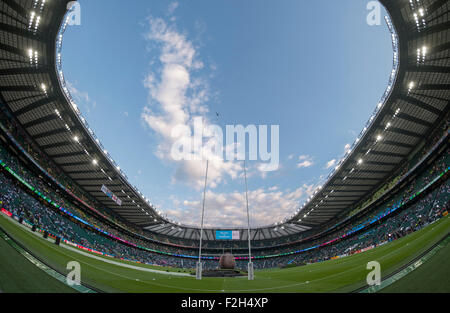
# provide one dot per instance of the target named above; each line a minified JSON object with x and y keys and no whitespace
{"x":163,"y":242}
{"x":15,"y":197}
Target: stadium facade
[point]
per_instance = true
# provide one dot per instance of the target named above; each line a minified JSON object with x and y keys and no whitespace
{"x":51,"y":157}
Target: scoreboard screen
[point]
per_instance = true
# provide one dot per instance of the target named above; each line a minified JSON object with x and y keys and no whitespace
{"x":227,"y":235}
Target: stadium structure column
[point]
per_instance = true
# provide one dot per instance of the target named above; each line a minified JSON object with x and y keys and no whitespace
{"x":250,"y":272}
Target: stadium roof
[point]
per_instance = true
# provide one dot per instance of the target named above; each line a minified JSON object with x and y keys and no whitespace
{"x":417,"y":99}
{"x":415,"y":103}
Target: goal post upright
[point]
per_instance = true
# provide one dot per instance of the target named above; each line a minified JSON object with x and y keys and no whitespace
{"x":199,"y":268}
{"x":250,"y":271}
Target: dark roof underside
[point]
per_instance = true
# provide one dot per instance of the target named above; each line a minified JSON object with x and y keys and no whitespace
{"x":47,"y":116}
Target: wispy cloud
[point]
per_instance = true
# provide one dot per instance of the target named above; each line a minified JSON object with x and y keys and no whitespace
{"x":178,"y":94}
{"x":331,"y":163}
{"x":176,"y":97}
{"x":172,"y":7}
{"x":81,"y":97}
{"x":347,"y":148}
{"x":305,"y":161}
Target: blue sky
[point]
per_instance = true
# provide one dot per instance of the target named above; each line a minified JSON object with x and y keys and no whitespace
{"x":317,"y":69}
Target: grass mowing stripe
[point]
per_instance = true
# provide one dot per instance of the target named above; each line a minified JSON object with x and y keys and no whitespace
{"x":76,"y":256}
{"x":334,"y":275}
{"x":138,"y":268}
{"x":322,"y":277}
{"x":18,"y":274}
{"x":434,"y":276}
{"x":58,"y":276}
{"x":206,"y":290}
{"x":408,"y":269}
{"x":275,"y":287}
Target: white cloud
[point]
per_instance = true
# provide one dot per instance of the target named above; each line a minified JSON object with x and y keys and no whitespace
{"x":305,"y":161}
{"x":347,"y":147}
{"x":172,"y":7}
{"x":81,"y":97}
{"x":176,"y":98}
{"x":305,"y":164}
{"x":266,"y":207}
{"x":331,"y":163}
{"x":77,"y":94}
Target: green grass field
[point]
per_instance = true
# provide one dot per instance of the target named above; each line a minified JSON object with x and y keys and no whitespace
{"x":343,"y":275}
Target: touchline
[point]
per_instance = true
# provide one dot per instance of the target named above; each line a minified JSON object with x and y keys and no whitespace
{"x":207,"y":142}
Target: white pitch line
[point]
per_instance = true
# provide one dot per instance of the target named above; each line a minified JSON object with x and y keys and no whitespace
{"x":97,"y":257}
{"x":143,"y":269}
{"x":184,"y":274}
